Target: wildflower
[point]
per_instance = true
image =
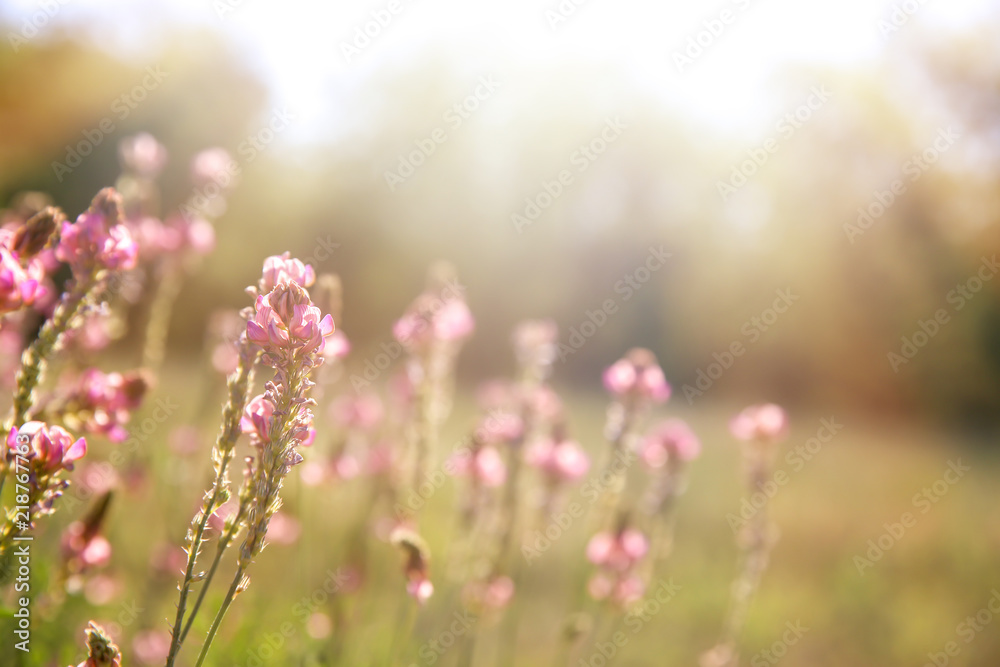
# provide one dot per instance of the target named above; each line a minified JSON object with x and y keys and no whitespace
{"x":483,"y":464}
{"x":560,"y":459}
{"x":49,"y":450}
{"x":97,"y":240}
{"x":104,"y":402}
{"x":765,"y":423}
{"x":286,"y":324}
{"x":617,"y":555}
{"x":284,"y":268}
{"x":637,"y":374}
{"x":671,"y":440}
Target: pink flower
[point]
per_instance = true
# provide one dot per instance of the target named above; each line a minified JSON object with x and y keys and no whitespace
{"x":96,"y":239}
{"x":765,"y":423}
{"x":500,"y":426}
{"x":668,"y":440}
{"x":104,"y":401}
{"x":431,"y":319}
{"x":637,"y":374}
{"x":16,"y":288}
{"x":84,"y":549}
{"x":453,"y":321}
{"x":50,"y":448}
{"x":286,"y":322}
{"x":256,"y":419}
{"x":283,"y":268}
{"x":143,"y":154}
{"x":485,"y":465}
{"x":561,"y":461}
{"x":618,"y":552}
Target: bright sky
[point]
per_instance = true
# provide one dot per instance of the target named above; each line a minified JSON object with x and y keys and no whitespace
{"x":298,"y":44}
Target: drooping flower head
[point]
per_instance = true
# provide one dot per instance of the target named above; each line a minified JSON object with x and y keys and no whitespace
{"x":637,"y":374}
{"x":761,"y":423}
{"x":670,"y":440}
{"x":416,"y":563}
{"x":97,"y":240}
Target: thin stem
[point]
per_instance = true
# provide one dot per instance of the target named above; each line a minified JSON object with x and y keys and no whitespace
{"x":212,"y":631}
{"x":754,"y":559}
{"x":158,"y":324}
{"x":239,"y":383}
{"x":224,"y":543}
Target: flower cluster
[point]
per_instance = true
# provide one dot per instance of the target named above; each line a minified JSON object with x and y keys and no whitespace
{"x":671,"y":441}
{"x":617,"y":555}
{"x":287,"y":326}
{"x":558,"y":458}
{"x":98,"y":240}
{"x":761,"y":423}
{"x":638,"y":376}
{"x":431,"y":319}
{"x":103,"y":403}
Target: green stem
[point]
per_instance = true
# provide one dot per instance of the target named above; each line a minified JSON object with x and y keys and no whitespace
{"x":158,"y":324}
{"x":239,"y":383}
{"x":212,"y":631}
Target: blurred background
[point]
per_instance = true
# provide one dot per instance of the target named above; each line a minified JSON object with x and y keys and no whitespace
{"x":785,"y":201}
